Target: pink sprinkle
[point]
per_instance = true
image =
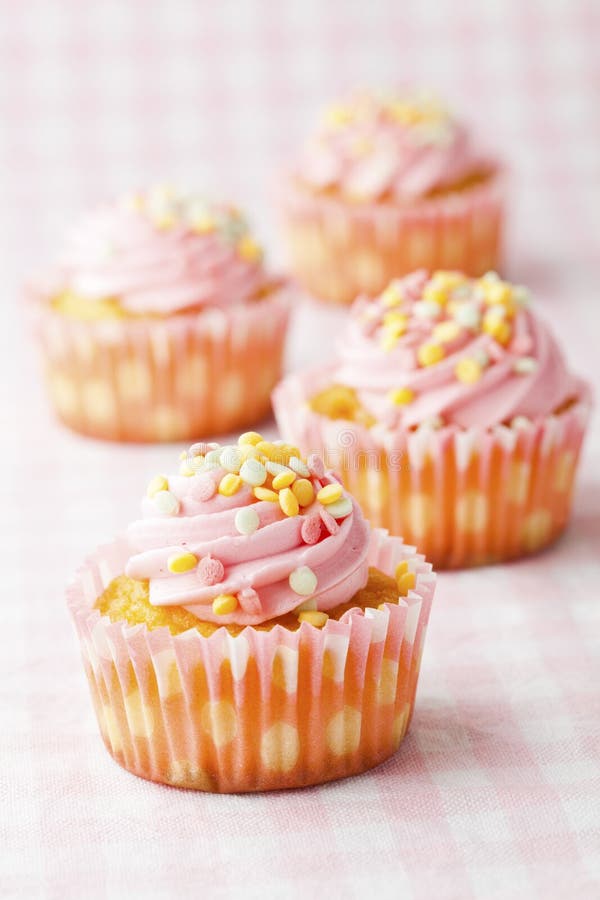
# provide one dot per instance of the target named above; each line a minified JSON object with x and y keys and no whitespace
{"x":316,"y":466}
{"x":210,"y":571}
{"x":203,"y":489}
{"x":311,"y":530}
{"x":249,"y":601}
{"x":329,"y":522}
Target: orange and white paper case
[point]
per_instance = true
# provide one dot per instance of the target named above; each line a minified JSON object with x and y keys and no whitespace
{"x":338,"y":250}
{"x":262,"y":710}
{"x":163,"y":379}
{"x":464,"y":497}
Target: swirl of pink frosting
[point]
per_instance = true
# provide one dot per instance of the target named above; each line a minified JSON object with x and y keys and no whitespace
{"x":445,"y":349}
{"x":402,"y":147}
{"x":312,"y":559}
{"x":161,"y":252}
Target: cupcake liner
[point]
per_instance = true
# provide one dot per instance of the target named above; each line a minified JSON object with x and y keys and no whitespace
{"x":339,"y":250}
{"x":173,"y":379}
{"x":262,"y":710}
{"x":464,"y":497}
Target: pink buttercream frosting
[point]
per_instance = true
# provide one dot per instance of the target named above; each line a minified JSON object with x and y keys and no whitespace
{"x":263,"y":569}
{"x":444,"y":349}
{"x":162,"y":252}
{"x":400,"y":147}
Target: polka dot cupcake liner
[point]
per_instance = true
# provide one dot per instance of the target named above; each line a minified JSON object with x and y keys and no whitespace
{"x":464,"y":497}
{"x":262,"y":710}
{"x":338,"y":250}
{"x":169,"y":379}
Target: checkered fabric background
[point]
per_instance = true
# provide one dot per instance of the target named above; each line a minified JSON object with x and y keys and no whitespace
{"x":495,"y":792}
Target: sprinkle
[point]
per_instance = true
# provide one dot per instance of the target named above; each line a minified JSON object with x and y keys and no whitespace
{"x":253,"y":472}
{"x":311,"y":530}
{"x":250,"y":437}
{"x":230,"y":484}
{"x":341,"y":508}
{"x":298,"y":466}
{"x":283,"y":480}
{"x":230,"y":459}
{"x":203,"y":489}
{"x":429,"y":354}
{"x":224,"y":604}
{"x":396,"y":322}
{"x":303,"y":581}
{"x":211,"y":460}
{"x":427,"y":309}
{"x":329,"y":522}
{"x":497,"y":292}
{"x":526,"y":365}
{"x":392,"y":296}
{"x":158,"y":483}
{"x":311,"y":603}
{"x":303,"y":491}
{"x":481,"y":356}
{"x":210,"y":571}
{"x":446,"y":332}
{"x":246,"y":520}
{"x":268,"y":449}
{"x":262,"y":493}
{"x":468,"y":370}
{"x":406,"y":583}
{"x":435,"y":294}
{"x":330,"y":493}
{"x":203,"y":225}
{"x":448,"y":281}
{"x":181,"y":562}
{"x":248,"y":451}
{"x":497,"y":328}
{"x":316,"y":466}
{"x":166,"y":503}
{"x":401,"y":568}
{"x":313,"y":617}
{"x":288,"y":502}
{"x":521,"y":295}
{"x":249,"y":250}
{"x":401,"y":396}
{"x":186,"y":470}
{"x":249,"y":601}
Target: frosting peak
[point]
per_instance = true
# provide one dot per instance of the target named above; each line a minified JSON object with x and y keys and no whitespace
{"x":248,"y":532}
{"x":163,"y":251}
{"x":401,"y":146}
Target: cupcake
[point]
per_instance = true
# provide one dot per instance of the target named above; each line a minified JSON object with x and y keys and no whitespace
{"x":451,"y":414}
{"x":386,"y":185}
{"x":160,"y":321}
{"x":251,"y":631}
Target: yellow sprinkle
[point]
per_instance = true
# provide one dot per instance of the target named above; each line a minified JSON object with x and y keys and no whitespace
{"x":429,"y":354}
{"x":446,"y":332}
{"x":266,"y":448}
{"x":448,"y":280}
{"x":401,"y":568}
{"x":392,"y":296}
{"x":203,"y":225}
{"x":396,"y":322}
{"x":303,"y":491}
{"x":250,"y":437}
{"x":182,"y":562}
{"x":496,"y":292}
{"x":329,"y":494}
{"x":248,"y":451}
{"x":283,"y":480}
{"x":338,"y":115}
{"x":186,"y":470}
{"x":230,"y":484}
{"x":401,"y":396}
{"x":158,"y":483}
{"x":224,"y":604}
{"x":288,"y":502}
{"x":262,"y":493}
{"x":468,"y":370}
{"x":406,"y":583}
{"x":248,"y":249}
{"x":497,"y":328}
{"x":313,"y":617}
{"x":435,"y":293}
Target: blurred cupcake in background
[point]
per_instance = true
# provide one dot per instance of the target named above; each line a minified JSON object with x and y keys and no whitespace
{"x":389,"y":183}
{"x":451,"y":414}
{"x":160,"y":321}
{"x":251,"y":631}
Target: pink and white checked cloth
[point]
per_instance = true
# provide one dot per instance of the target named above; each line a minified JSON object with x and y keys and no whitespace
{"x":496,"y":791}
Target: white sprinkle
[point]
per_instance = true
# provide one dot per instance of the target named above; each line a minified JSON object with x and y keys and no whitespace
{"x":491,"y":276}
{"x":481,"y":357}
{"x":467,"y":315}
{"x":185,"y":469}
{"x":498,"y":311}
{"x":298,"y":466}
{"x":303,"y":581}
{"x":274,"y":468}
{"x":427,"y":309}
{"x":246,"y":520}
{"x":521,"y":295}
{"x":166,"y":503}
{"x":525,"y":365}
{"x":211,"y":460}
{"x":253,"y":472}
{"x":520,"y":423}
{"x":230,"y":459}
{"x":341,"y":508}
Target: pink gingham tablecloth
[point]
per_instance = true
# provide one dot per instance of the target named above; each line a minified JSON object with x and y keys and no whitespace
{"x":495,"y":791}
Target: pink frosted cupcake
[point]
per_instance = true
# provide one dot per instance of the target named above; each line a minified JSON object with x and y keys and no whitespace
{"x":160,"y":321}
{"x":451,"y":415}
{"x":388,"y":184}
{"x":251,"y":631}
